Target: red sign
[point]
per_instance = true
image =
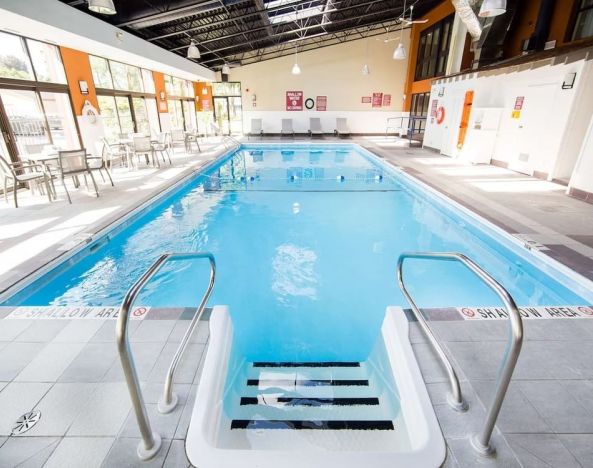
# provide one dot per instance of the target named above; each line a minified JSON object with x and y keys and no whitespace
{"x":377,"y":99}
{"x":366,"y":100}
{"x":433,"y":108}
{"x":321,"y":103}
{"x":294,"y":100}
{"x":519,"y":102}
{"x":386,"y":100}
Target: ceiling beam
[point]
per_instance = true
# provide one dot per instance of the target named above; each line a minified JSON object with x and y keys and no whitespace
{"x":171,"y":15}
{"x":227,"y":20}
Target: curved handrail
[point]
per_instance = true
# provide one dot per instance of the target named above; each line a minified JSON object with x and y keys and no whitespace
{"x":169,"y":400}
{"x":480,"y":441}
{"x":228,"y":138}
{"x":151,"y":441}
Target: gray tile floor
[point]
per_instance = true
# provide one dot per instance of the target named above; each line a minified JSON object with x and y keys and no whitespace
{"x":70,"y":371}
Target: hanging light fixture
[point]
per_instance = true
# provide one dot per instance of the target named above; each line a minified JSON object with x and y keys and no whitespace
{"x":104,"y":7}
{"x":296,"y":70}
{"x":192,"y":51}
{"x":400,"y":52}
{"x":365,"y":67}
{"x":225,"y":70}
{"x":491,"y":8}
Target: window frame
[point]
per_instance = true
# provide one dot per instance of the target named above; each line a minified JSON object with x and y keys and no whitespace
{"x":577,"y":10}
{"x":425,"y":59}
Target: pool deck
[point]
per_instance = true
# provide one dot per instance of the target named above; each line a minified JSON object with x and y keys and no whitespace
{"x":69,"y":369}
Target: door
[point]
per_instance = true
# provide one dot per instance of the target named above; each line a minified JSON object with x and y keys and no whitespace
{"x":453,"y":110}
{"x":221,"y":114}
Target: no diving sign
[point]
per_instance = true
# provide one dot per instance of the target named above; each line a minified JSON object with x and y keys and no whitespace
{"x":71,"y":313}
{"x":539,"y":312}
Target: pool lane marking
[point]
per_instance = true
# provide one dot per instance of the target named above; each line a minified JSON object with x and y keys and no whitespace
{"x":71,"y":313}
{"x":534,"y":313}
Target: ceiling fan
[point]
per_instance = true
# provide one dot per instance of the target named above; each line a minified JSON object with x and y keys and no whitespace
{"x":411,"y":21}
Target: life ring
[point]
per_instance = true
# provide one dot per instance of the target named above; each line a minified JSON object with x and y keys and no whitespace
{"x":90,"y":112}
{"x":309,"y":103}
{"x":440,"y":115}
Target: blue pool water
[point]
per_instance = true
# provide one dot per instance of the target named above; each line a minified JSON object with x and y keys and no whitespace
{"x":306,"y":240}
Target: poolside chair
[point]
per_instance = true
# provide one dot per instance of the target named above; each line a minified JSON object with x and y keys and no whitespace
{"x":191,"y":138}
{"x":24,"y":173}
{"x":162,"y":145}
{"x":143,"y":147}
{"x":287,"y":128}
{"x":177,"y":139}
{"x":71,"y":164}
{"x":342,"y":129}
{"x":315,"y":127}
{"x":256,"y":128}
{"x":112,"y":153}
{"x":99,"y":163}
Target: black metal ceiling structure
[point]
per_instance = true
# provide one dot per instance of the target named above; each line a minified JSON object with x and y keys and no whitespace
{"x":240,"y":32}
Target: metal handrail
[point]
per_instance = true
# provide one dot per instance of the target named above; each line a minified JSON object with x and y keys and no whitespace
{"x":480,"y":441}
{"x":169,"y":400}
{"x":151,"y":441}
{"x":228,"y":138}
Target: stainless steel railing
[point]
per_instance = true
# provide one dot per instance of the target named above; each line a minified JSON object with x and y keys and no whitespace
{"x":480,"y":441}
{"x":169,"y":400}
{"x":151,"y":441}
{"x":230,"y":139}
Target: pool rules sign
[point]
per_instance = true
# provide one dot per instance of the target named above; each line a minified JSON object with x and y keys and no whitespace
{"x":294,"y":100}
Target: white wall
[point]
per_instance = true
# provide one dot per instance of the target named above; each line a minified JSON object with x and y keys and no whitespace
{"x":582,"y":177}
{"x":537,"y":135}
{"x":335,"y":72}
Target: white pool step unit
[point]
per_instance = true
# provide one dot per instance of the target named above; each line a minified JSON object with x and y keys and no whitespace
{"x":322,"y":414}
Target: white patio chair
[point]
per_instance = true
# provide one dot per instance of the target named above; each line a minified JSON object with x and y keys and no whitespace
{"x":287,"y":128}
{"x":72,"y":164}
{"x":256,"y":128}
{"x":26,"y":173}
{"x":315,"y":127}
{"x":342,"y":129}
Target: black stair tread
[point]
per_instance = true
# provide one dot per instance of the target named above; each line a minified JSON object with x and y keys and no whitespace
{"x":307,"y":382}
{"x":334,"y":425}
{"x":307,"y":364}
{"x":308,"y":401}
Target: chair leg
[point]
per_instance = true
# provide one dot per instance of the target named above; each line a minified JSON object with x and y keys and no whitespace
{"x":47,"y":187}
{"x":4,"y":186}
{"x":66,"y":190}
{"x":94,"y":183}
{"x":108,"y":175}
{"x":14,"y":190}
{"x":102,"y":176}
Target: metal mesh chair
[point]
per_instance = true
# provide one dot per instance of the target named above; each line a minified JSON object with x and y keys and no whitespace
{"x":143,"y":147}
{"x":72,"y":164}
{"x":24,"y":173}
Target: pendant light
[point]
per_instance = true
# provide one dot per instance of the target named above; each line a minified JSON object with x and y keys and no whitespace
{"x":365,"y":67}
{"x":225,"y":69}
{"x":192,"y":51}
{"x":296,"y":70}
{"x":491,"y":8}
{"x":104,"y":7}
{"x":400,"y":52}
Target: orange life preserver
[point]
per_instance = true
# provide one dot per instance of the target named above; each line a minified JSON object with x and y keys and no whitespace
{"x":440,"y":115}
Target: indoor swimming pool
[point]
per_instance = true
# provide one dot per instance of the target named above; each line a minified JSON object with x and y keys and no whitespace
{"x":306,"y":239}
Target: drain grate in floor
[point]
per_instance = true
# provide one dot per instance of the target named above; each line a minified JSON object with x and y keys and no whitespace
{"x":25,"y":422}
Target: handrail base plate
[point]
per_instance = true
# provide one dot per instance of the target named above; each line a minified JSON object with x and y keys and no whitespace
{"x":146,"y":454}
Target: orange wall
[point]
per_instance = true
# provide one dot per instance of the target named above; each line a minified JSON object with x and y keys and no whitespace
{"x":159,"y":87}
{"x":433,"y":16}
{"x":78,"y":68}
{"x":203,"y":100}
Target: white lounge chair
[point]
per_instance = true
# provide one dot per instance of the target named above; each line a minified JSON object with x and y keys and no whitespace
{"x":287,"y":128}
{"x":342,"y":127}
{"x":315,"y":127}
{"x":256,"y":128}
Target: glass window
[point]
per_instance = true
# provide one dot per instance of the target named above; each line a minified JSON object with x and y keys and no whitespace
{"x":189,"y":114}
{"x":169,"y":85}
{"x":26,"y":119}
{"x":148,"y":80}
{"x":176,"y":114}
{"x":101,"y":72}
{"x":14,"y":61}
{"x":189,"y":86}
{"x":584,"y":20}
{"x":141,"y":114}
{"x":125,"y":114}
{"x":134,"y":79}
{"x":153,"y":116}
{"x":228,"y":88}
{"x":47,"y":62}
{"x":60,"y":120}
{"x":120,"y":75}
{"x":433,"y":50}
{"x":110,"y":119}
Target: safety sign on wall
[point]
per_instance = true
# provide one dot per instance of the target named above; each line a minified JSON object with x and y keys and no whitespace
{"x":377,"y":99}
{"x":294,"y":100}
{"x":518,"y":106}
{"x":386,"y":100}
{"x":321,"y":103}
{"x":433,"y":107}
{"x":366,"y":100}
